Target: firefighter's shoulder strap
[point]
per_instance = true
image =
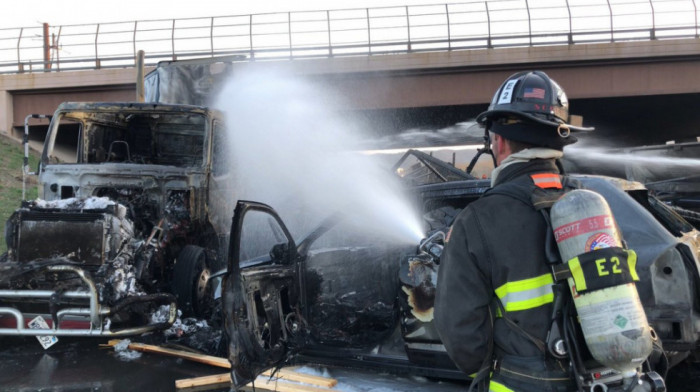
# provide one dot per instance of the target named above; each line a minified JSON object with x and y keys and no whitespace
{"x":539,"y":191}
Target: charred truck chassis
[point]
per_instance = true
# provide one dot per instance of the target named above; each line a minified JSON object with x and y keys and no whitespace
{"x":128,"y":223}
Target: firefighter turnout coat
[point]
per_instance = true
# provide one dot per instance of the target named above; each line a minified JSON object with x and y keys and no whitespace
{"x":495,"y":250}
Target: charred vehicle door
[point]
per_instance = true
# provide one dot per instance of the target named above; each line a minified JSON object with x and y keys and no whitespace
{"x":320,"y":299}
{"x":261,"y":296}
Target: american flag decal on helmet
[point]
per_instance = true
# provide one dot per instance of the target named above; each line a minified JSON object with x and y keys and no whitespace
{"x":533,"y":93}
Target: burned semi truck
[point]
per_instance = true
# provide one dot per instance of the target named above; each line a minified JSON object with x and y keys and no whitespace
{"x":134,"y":208}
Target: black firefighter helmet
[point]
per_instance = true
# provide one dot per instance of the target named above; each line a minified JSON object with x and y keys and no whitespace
{"x":530,"y":107}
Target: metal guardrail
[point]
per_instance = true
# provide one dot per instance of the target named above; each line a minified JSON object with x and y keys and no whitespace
{"x":350,"y":32}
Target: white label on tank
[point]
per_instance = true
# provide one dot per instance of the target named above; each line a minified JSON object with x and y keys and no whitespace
{"x":39,"y":323}
{"x":611,"y":316}
{"x":507,"y":92}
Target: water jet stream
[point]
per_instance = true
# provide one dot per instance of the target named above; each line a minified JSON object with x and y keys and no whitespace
{"x":292,"y":151}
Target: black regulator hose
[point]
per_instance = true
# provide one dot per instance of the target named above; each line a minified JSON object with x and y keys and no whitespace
{"x":484,"y":150}
{"x":571,"y":344}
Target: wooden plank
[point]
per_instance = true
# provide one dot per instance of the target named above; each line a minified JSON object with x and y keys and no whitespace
{"x":224,"y":363}
{"x":281,"y":386}
{"x":215,"y":380}
{"x":301,"y":377}
{"x":201,"y":358}
{"x":262,"y":384}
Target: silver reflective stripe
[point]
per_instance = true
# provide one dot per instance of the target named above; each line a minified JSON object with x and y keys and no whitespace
{"x":526,"y":294}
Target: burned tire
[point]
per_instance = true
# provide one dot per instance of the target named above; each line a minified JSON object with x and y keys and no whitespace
{"x":190,"y":282}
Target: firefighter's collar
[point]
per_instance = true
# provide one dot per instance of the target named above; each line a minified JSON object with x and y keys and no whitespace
{"x":525,"y":156}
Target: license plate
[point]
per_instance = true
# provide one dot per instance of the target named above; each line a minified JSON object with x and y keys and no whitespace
{"x":39,"y":323}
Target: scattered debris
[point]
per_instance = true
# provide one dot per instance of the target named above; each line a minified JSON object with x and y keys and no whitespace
{"x":148,"y":348}
{"x":123,"y":352}
{"x":268,"y":380}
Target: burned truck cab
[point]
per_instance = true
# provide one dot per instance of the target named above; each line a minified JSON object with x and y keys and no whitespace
{"x":129,"y":201}
{"x":151,"y":158}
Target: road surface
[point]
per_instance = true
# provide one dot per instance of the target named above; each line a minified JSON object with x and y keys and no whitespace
{"x":81,"y":365}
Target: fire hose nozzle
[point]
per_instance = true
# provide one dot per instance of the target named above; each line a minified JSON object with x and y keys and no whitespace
{"x":431,"y":246}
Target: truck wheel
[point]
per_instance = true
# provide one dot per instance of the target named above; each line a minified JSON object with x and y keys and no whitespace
{"x":190,"y":282}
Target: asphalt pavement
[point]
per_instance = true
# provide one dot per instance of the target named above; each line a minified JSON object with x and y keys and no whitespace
{"x":80,"y":364}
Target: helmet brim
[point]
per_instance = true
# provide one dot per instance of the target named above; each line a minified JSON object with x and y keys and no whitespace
{"x":483,"y":117}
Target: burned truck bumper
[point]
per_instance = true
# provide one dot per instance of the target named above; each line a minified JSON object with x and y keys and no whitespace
{"x":75,"y":312}
{"x":73,"y":269}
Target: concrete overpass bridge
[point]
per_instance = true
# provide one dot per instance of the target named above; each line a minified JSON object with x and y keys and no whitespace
{"x":632,"y":80}
{"x":661,"y":74}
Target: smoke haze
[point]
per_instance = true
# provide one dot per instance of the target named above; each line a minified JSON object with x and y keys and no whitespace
{"x":290,"y":150}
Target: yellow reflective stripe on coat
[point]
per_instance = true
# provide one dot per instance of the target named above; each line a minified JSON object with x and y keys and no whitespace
{"x":498,"y":387}
{"x":527,"y":293}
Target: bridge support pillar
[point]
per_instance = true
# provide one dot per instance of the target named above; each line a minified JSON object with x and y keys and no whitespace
{"x":6,"y":112}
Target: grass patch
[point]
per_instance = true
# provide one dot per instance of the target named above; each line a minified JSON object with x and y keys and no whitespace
{"x":11,"y":159}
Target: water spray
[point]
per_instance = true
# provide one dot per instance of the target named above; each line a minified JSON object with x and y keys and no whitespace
{"x":292,"y":151}
{"x":643,"y":165}
{"x":627,"y":158}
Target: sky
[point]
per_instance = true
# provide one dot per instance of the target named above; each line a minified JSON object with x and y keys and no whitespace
{"x":29,"y":13}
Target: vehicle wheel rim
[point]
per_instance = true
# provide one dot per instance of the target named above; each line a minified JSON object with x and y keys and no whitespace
{"x":202,"y":284}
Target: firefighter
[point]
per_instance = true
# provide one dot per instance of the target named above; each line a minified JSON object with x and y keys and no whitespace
{"x":493,"y":303}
